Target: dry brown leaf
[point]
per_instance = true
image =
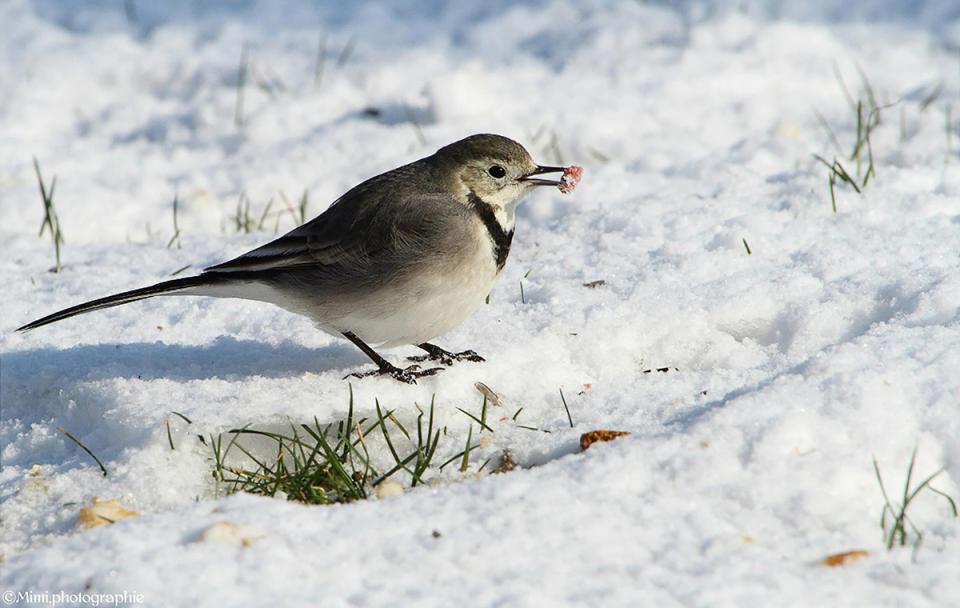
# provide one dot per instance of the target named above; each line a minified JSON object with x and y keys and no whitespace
{"x":845,"y":558}
{"x":389,"y":489}
{"x":36,"y":484}
{"x":588,"y":439}
{"x":102,"y":512}
{"x":227,"y":532}
{"x":35,"y":481}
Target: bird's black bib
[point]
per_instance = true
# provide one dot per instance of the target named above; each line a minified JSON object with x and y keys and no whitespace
{"x":500,"y":238}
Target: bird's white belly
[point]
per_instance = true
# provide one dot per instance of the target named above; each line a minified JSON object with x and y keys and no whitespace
{"x":432,"y":307}
{"x":426,"y":304}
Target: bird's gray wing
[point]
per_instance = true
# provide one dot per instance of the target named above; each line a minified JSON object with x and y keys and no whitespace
{"x":331,"y":238}
{"x":377,"y":221}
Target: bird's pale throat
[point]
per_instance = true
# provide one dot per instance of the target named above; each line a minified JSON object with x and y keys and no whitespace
{"x":500,"y":238}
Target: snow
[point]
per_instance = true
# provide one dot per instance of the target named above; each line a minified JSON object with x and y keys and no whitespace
{"x":834,"y":341}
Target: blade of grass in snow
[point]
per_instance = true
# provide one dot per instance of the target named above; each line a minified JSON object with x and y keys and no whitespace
{"x":51,"y":221}
{"x":166,"y":422}
{"x":176,"y":224}
{"x":466,"y":452}
{"x":321,"y":59}
{"x":566,"y":408}
{"x":182,"y":417}
{"x":346,"y":52}
{"x":482,"y":424}
{"x":85,"y":449}
{"x":241,"y":86}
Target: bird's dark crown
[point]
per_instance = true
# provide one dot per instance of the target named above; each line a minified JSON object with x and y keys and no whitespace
{"x":485,"y":145}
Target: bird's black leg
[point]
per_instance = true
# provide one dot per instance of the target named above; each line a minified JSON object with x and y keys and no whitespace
{"x":444,"y":357}
{"x":384,"y":367}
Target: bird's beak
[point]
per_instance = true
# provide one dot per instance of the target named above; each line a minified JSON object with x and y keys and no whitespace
{"x":529,"y":177}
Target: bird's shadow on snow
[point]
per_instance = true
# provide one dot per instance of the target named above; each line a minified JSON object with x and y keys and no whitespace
{"x":50,"y":387}
{"x":226,"y":357}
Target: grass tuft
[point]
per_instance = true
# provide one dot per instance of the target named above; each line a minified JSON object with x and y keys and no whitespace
{"x":50,"y":219}
{"x":894,"y":522}
{"x":868,"y":118}
{"x":345,"y":460}
{"x":331,"y":463}
{"x":320,"y":465}
{"x":242,"y":219}
{"x":246,"y":221}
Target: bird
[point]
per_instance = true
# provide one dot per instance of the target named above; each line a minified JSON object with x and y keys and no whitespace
{"x":400,"y":259}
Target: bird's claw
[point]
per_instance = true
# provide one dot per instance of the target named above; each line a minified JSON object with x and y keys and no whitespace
{"x":447,"y":358}
{"x":408,"y":375}
{"x":469,"y":355}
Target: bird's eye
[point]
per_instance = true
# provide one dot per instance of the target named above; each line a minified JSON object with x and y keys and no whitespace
{"x":497,"y":171}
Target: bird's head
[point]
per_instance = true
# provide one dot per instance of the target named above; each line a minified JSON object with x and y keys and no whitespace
{"x":496,"y":169}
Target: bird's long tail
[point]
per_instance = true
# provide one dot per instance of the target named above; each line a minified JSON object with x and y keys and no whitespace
{"x":184,"y":285}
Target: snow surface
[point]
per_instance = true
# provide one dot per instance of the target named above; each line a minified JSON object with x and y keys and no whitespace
{"x":836,"y":340}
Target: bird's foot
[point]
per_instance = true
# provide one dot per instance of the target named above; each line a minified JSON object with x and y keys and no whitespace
{"x":408,"y":374}
{"x":447,"y":358}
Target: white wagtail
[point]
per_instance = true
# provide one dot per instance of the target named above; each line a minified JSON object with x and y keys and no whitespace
{"x":400,"y":259}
